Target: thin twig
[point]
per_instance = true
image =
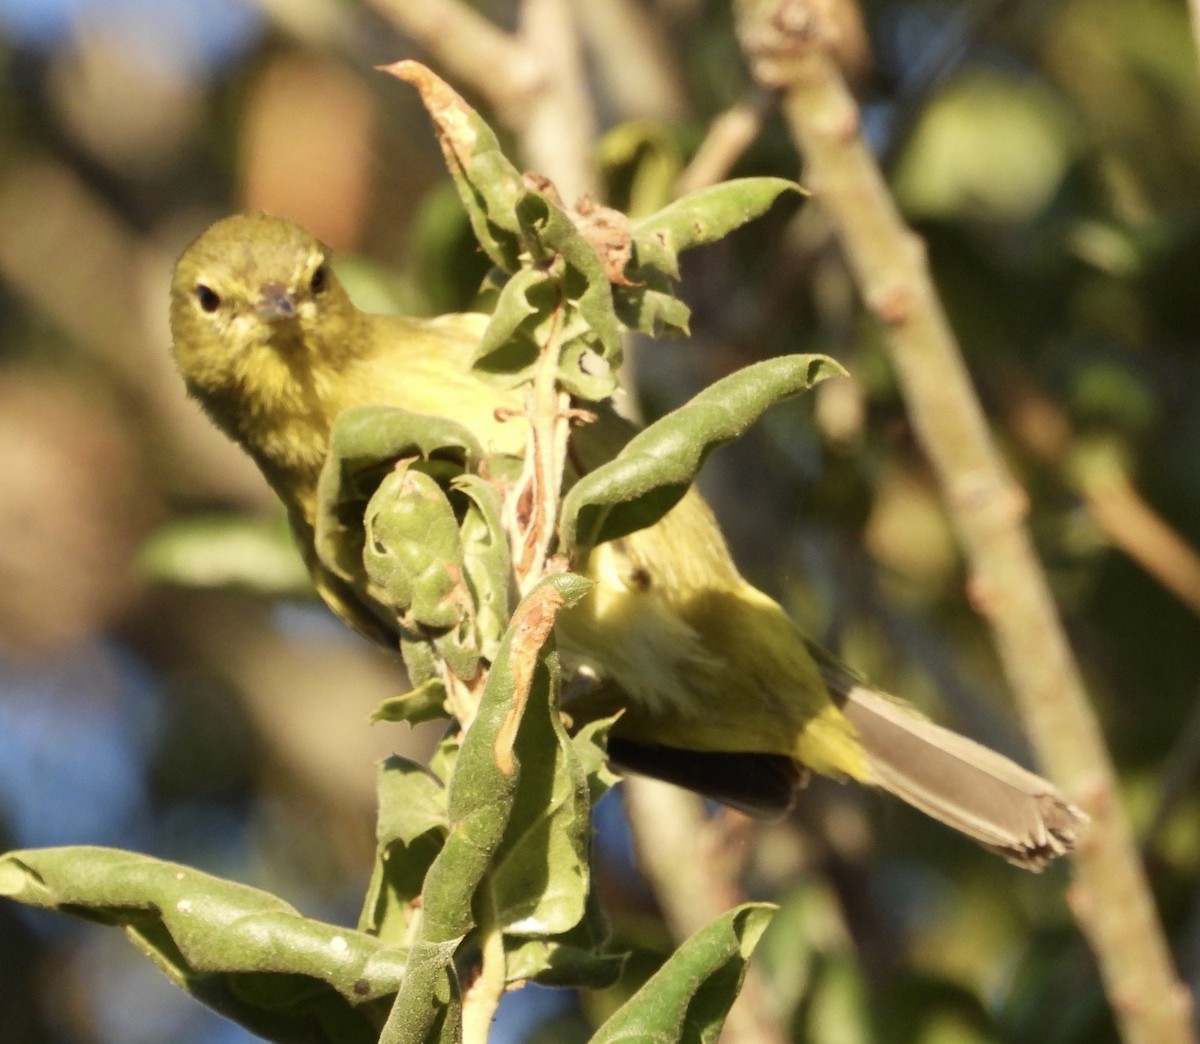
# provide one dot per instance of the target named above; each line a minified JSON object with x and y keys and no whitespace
{"x":729,"y":135}
{"x":1111,"y":899}
{"x":1131,"y":525}
{"x":1098,"y":472}
{"x":634,"y":61}
{"x":1142,"y":533}
{"x":532,"y":507}
{"x":557,"y":125}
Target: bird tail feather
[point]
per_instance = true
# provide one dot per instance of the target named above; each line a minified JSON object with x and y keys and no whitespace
{"x":982,"y":794}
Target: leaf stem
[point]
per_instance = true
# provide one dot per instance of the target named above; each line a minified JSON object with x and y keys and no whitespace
{"x":535,"y":500}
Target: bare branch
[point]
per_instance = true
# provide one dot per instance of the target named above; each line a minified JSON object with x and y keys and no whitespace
{"x":468,"y":48}
{"x":558,"y":125}
{"x":788,"y":43}
{"x":729,"y":135}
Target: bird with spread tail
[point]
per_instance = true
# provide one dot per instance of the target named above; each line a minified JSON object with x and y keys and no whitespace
{"x":721,"y":692}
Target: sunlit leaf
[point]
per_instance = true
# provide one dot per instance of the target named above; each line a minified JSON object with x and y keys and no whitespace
{"x":411,"y":801}
{"x":702,"y":217}
{"x":552,"y":963}
{"x":240,"y":950}
{"x":483,"y":790}
{"x":425,"y":702}
{"x":687,"y":999}
{"x":652,"y":473}
{"x":487,"y":566}
{"x":412,"y":552}
{"x":365,"y":444}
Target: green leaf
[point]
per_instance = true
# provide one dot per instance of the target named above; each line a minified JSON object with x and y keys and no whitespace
{"x":413,"y":554}
{"x":428,"y":1009}
{"x":648,"y":304}
{"x":391,"y":905}
{"x":412,"y":800}
{"x":702,"y":217}
{"x":653,"y":471}
{"x":687,"y":999}
{"x":240,"y":950}
{"x":364,"y":446}
{"x":569,"y":300}
{"x":411,"y":829}
{"x":585,"y":283}
{"x":214,"y":551}
{"x":487,"y":564}
{"x":552,"y":963}
{"x":584,"y":372}
{"x":482,"y":791}
{"x":539,"y":880}
{"x":484,"y":784}
{"x":560,"y":289}
{"x":445,"y":756}
{"x":573,"y":958}
{"x":520,"y":224}
{"x":427,"y":702}
{"x":380,"y":504}
{"x":651,"y":311}
{"x":509,"y":344}
{"x":591,"y":747}
{"x":422,"y":668}
{"x":488,"y":184}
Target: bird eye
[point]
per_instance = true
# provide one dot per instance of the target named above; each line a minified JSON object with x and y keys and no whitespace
{"x":320,"y":279}
{"x":639,"y":579}
{"x":208,"y":299}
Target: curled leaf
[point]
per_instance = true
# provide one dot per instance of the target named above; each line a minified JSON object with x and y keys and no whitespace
{"x":364,"y":446}
{"x":687,"y":999}
{"x":488,"y":184}
{"x":412,"y":554}
{"x":483,"y":786}
{"x":702,"y":217}
{"x":509,"y":344}
{"x":425,"y":702}
{"x":487,"y":567}
{"x":240,"y":950}
{"x":409,"y":834}
{"x":653,"y":471}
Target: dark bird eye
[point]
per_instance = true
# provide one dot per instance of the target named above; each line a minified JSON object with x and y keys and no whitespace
{"x":320,"y":279}
{"x":208,"y":298}
{"x":639,"y":579}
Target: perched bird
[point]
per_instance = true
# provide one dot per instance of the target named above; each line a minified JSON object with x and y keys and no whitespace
{"x":721,"y":691}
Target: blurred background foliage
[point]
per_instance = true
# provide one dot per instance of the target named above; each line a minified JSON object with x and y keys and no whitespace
{"x":1049,"y":153}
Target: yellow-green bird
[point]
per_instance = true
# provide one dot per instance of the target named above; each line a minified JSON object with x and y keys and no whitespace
{"x":722,"y":693}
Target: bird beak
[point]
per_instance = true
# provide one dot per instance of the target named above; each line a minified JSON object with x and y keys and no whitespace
{"x":276,"y":303}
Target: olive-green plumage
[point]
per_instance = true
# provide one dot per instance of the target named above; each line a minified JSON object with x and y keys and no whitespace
{"x":721,"y":692}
